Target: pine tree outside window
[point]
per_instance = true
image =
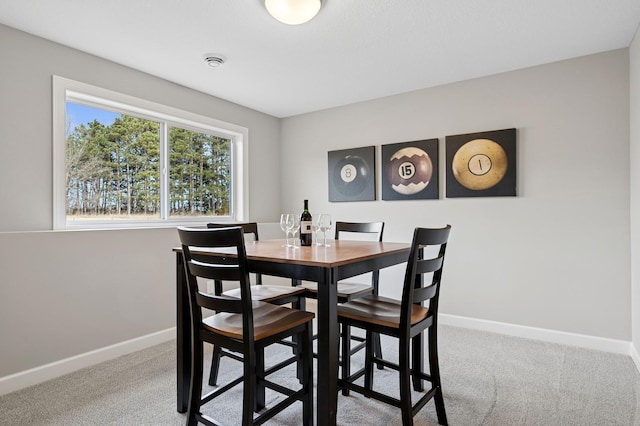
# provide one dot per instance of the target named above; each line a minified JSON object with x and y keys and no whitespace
{"x":127,"y":162}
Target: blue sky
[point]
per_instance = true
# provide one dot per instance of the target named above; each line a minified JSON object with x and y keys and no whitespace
{"x":81,"y":114}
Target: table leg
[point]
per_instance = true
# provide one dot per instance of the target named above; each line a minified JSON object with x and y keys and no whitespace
{"x":183,"y":336}
{"x":328,"y":342}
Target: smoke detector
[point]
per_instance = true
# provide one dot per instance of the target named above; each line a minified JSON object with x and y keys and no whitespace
{"x":214,"y":60}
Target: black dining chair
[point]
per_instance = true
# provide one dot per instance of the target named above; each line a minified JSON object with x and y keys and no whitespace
{"x":242,"y":325}
{"x":405,"y":320}
{"x":348,"y":291}
{"x":276,"y":294}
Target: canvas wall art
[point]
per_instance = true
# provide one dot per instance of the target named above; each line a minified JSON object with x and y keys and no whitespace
{"x":481,"y":164}
{"x":410,"y":170}
{"x":352,"y":174}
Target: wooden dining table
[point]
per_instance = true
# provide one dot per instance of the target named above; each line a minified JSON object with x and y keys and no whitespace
{"x":323,"y":265}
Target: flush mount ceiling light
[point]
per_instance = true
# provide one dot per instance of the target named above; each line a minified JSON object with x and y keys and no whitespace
{"x":293,"y":12}
{"x":214,"y":60}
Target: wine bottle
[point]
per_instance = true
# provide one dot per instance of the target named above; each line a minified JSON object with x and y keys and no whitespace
{"x":305,"y":225}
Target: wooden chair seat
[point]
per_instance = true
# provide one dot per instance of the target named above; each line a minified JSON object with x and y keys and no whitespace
{"x":380,"y":310}
{"x":269,"y":293}
{"x":268,"y":320}
{"x":346,"y":291}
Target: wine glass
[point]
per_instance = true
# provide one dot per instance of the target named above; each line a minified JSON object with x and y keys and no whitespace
{"x":294,"y":227}
{"x":285,"y":221}
{"x":325,"y":225}
{"x":315,"y":227}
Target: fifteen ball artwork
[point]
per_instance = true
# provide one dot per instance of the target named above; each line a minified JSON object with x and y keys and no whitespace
{"x":410,"y":170}
{"x":479,"y":164}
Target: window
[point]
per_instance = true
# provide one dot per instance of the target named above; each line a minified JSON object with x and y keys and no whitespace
{"x":120,"y":161}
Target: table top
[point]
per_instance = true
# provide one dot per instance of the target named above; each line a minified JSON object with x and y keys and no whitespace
{"x":340,"y":252}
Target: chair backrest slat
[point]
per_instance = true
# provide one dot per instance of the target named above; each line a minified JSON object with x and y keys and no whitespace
{"x":431,"y":236}
{"x":211,"y":271}
{"x":211,"y":258}
{"x":360,"y":227}
{"x":424,"y":293}
{"x":231,"y":305}
{"x":425,"y":266}
{"x":199,"y":237}
{"x":247,"y":227}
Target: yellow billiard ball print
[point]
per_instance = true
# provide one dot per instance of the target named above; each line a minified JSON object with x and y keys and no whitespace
{"x":479,"y":164}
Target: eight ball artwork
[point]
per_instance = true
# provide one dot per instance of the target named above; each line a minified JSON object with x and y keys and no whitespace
{"x":352,"y":174}
{"x":410,"y":170}
{"x":481,"y":164}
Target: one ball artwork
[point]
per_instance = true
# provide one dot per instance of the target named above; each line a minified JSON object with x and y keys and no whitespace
{"x":351,"y":175}
{"x":479,"y":164}
{"x":410,"y":170}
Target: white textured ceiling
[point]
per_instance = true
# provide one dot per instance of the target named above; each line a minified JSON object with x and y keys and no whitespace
{"x":353,"y":50}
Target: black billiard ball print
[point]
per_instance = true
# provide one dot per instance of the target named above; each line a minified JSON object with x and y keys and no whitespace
{"x":351,"y":175}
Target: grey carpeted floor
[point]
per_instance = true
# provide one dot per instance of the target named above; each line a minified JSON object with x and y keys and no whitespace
{"x":488,"y":379}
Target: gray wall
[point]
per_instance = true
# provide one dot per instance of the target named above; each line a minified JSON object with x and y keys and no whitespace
{"x":556,"y":256}
{"x":634,"y":54}
{"x":67,"y":293}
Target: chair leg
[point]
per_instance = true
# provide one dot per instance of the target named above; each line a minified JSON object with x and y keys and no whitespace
{"x":417,"y":350}
{"x":306,"y":350}
{"x":368,"y":361}
{"x":195,"y":391}
{"x":405,"y":384}
{"x":434,"y":370}
{"x":215,"y":365}
{"x":377,"y":349}
{"x":300,"y":355}
{"x":260,"y":377}
{"x":249,"y":389}
{"x":346,"y":359}
{"x":301,"y":305}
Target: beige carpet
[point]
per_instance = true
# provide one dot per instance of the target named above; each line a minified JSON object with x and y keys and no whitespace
{"x":488,"y":379}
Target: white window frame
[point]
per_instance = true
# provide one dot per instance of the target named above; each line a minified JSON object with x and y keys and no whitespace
{"x":65,"y":90}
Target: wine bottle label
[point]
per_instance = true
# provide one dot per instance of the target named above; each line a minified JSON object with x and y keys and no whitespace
{"x":305,"y":227}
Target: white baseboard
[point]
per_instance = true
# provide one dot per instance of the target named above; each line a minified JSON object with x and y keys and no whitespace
{"x":46,"y":372}
{"x":545,"y":335}
{"x":635,"y":357}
